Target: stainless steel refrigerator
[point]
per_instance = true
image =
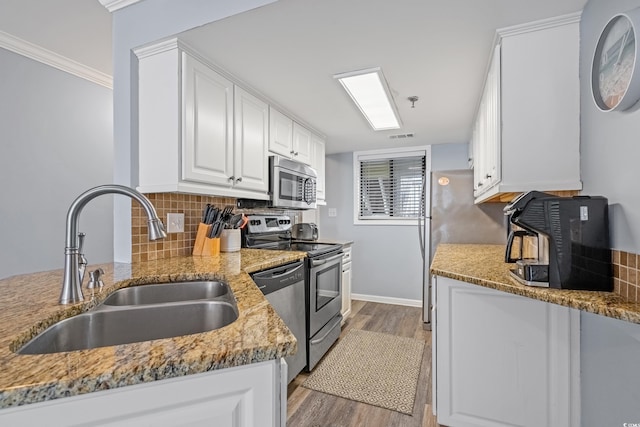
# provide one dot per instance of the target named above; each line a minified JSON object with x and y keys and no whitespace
{"x":452,"y":217}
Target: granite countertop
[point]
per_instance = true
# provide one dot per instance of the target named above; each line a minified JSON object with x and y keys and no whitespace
{"x":29,"y":304}
{"x":484,"y":265}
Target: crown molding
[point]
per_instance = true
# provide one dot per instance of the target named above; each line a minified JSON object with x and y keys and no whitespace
{"x":542,"y":24}
{"x":113,"y":5}
{"x":40,"y":54}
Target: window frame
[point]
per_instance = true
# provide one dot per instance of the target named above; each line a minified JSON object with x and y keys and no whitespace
{"x":382,"y":154}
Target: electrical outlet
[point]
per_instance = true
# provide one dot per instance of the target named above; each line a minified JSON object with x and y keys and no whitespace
{"x":333,"y":212}
{"x":175,"y":223}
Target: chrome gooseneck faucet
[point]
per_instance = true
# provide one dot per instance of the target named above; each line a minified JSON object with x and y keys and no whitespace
{"x":74,"y":261}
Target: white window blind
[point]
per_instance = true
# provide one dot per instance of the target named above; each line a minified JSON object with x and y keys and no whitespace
{"x":391,"y":188}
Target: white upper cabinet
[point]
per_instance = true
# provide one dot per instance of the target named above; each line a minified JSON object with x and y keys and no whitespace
{"x":288,"y":138}
{"x":280,"y":133}
{"x":250,"y":170}
{"x":301,"y":144}
{"x":198,"y":133}
{"x":207,"y":112}
{"x":527,"y":130}
{"x":317,"y":162}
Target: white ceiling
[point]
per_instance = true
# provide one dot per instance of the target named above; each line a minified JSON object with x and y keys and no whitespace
{"x":289,"y":50}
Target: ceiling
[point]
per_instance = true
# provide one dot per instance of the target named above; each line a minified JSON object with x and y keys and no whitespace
{"x":289,"y":50}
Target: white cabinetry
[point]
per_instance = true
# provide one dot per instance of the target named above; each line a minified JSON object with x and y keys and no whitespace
{"x":246,"y":396}
{"x":207,"y":118}
{"x":486,"y":133}
{"x":301,"y":144}
{"x":187,"y":139}
{"x":502,"y":359}
{"x":317,"y":162}
{"x":250,"y":169}
{"x":288,"y":138}
{"x":280,"y":133}
{"x":346,"y":283}
{"x":526,"y":135}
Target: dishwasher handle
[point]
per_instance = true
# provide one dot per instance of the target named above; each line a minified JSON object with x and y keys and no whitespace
{"x":281,"y":273}
{"x":286,"y":272}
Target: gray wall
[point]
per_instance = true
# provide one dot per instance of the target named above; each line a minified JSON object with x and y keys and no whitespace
{"x":610,"y":148}
{"x":609,"y":142}
{"x":386,"y":260}
{"x":56,"y":143}
{"x":134,"y":26}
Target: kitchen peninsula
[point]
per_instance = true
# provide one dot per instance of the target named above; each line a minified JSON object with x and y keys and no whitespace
{"x":506,"y":353}
{"x":484,"y":265}
{"x":30,"y":304}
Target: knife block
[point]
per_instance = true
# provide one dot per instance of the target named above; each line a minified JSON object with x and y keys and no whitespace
{"x":201,"y":237}
{"x":211,"y":247}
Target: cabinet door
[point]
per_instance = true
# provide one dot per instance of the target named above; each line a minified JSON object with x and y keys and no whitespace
{"x":503,"y":359}
{"x":487,"y":132}
{"x":280,"y":133}
{"x":251,"y":136}
{"x":346,"y":291}
{"x":317,"y":162}
{"x":301,"y":144}
{"x":246,"y":396}
{"x":207,"y":109}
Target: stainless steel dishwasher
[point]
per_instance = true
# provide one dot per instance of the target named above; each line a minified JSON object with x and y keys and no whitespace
{"x":283,"y":287}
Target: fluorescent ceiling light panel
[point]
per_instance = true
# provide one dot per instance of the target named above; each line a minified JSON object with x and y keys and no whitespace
{"x":369,"y":90}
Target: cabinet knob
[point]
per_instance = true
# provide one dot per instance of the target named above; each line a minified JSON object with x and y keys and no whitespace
{"x":292,"y":152}
{"x":232,"y":178}
{"x":479,"y":184}
{"x":295,"y":154}
{"x":488,"y":176}
{"x":239,"y":179}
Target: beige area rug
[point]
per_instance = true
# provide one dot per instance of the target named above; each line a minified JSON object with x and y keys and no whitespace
{"x":371,"y":367}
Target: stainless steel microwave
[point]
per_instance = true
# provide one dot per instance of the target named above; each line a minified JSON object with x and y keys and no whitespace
{"x":292,"y":184}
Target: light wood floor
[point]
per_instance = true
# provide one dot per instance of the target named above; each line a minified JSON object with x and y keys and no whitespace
{"x":309,"y":408}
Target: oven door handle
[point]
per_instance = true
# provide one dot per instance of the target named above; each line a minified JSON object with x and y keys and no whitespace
{"x":316,"y":262}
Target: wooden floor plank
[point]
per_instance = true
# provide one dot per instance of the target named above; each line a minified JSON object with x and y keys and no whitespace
{"x":309,"y":408}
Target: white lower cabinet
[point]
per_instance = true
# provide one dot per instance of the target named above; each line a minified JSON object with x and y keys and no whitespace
{"x":502,"y":359}
{"x":346,"y":283}
{"x":246,"y":396}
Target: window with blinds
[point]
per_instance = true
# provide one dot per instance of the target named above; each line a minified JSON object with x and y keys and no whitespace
{"x":391,"y":188}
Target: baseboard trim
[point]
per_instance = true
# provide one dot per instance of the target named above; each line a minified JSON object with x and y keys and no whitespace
{"x":47,"y":57}
{"x":387,"y":300}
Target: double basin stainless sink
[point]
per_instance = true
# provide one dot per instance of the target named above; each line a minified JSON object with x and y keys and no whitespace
{"x":142,"y":313}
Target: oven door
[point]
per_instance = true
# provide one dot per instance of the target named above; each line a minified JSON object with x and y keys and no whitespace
{"x":325,"y":290}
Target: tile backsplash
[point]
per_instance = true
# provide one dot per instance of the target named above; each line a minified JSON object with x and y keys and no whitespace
{"x":626,"y":280}
{"x":177,"y":244}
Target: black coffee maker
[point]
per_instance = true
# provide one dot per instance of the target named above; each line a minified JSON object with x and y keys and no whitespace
{"x":570,"y":240}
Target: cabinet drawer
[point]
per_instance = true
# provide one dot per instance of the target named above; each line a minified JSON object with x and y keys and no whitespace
{"x":346,"y":255}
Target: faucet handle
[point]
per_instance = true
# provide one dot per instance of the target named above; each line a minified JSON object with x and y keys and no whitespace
{"x":80,"y":241}
{"x":94,"y":279}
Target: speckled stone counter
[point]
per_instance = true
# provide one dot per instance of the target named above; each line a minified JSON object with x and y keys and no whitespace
{"x":484,"y":265}
{"x":29,"y":304}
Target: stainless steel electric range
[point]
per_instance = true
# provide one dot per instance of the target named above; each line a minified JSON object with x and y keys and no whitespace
{"x":323,"y":279}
